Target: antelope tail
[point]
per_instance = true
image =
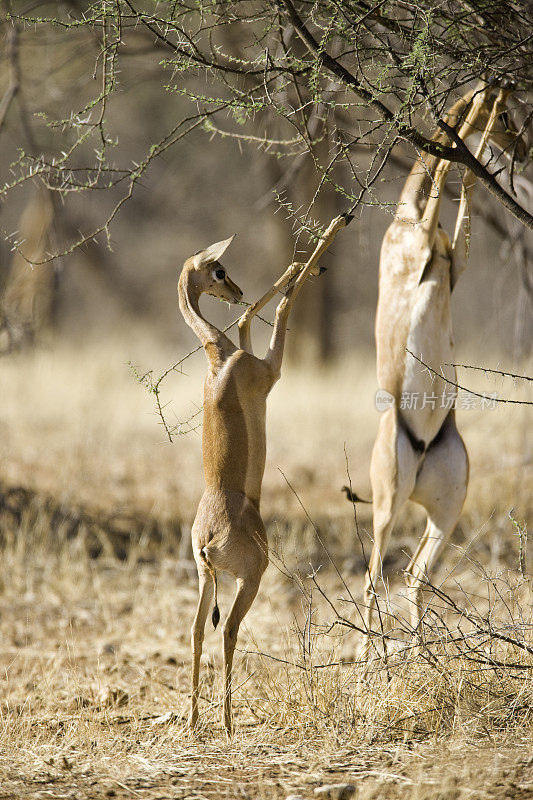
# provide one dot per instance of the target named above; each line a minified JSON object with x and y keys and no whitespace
{"x":215,"y":616}
{"x":352,"y":497}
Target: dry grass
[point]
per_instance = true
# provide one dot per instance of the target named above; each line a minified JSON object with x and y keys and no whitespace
{"x":95,"y":653}
{"x":74,"y":423}
{"x":95,"y":692}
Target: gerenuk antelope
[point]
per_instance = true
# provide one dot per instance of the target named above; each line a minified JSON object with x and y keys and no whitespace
{"x":418,"y":453}
{"x":228,"y":532}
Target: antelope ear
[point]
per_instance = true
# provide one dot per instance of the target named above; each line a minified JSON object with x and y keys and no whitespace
{"x":214,"y":252}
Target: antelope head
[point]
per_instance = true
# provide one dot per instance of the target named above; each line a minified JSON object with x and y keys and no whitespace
{"x":207,"y":275}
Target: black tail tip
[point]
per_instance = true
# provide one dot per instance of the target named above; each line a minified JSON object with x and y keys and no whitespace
{"x":215,"y":616}
{"x":347,"y":218}
{"x":352,"y":497}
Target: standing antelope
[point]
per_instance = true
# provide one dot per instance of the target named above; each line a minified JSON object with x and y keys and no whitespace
{"x":418,"y":453}
{"x":228,"y":532}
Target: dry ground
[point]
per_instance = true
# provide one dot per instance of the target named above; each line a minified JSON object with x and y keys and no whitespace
{"x":95,"y":654}
{"x":95,"y":692}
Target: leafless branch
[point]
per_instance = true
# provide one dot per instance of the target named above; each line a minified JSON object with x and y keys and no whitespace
{"x":487,"y":397}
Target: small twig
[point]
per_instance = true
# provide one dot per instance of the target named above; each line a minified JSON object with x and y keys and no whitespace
{"x":521,"y":531}
{"x":480,"y":624}
{"x":332,"y":562}
{"x":492,"y":371}
{"x":490,"y":398}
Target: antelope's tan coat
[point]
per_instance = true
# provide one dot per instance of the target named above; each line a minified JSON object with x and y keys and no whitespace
{"x":418,"y":452}
{"x":228,"y":532}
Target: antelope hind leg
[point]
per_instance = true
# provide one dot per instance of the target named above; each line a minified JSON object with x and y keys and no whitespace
{"x":197,"y":637}
{"x":393,"y":474}
{"x":441,"y":488}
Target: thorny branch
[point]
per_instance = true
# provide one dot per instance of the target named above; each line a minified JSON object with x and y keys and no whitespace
{"x":153,"y":385}
{"x":374,"y":73}
{"x":488,"y":371}
{"x":452,"y":631}
{"x":487,"y":397}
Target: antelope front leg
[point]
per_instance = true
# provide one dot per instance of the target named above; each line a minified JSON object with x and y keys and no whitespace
{"x":300,"y":271}
{"x":245,"y":341}
{"x":461,"y":237}
{"x":274,"y":356}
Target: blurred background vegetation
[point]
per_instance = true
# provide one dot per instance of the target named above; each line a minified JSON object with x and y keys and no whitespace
{"x":90,"y":89}
{"x":133,"y":134}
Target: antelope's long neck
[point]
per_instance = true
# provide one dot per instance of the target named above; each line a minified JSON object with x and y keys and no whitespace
{"x":188,"y":298}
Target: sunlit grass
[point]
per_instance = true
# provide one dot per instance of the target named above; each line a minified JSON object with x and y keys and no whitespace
{"x":95,"y":653}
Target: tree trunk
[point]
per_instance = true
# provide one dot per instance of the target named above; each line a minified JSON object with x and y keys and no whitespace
{"x":28,"y":296}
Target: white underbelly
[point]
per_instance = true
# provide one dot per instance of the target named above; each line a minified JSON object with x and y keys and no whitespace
{"x":426,"y":396}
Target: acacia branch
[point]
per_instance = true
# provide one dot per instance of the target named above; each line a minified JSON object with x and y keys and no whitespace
{"x":198,"y":57}
{"x":434,"y":148}
{"x":488,"y":397}
{"x":499,"y":372}
{"x":458,"y":154}
{"x":488,"y":180}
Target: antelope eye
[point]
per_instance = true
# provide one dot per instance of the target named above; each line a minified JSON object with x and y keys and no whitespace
{"x":220,"y":274}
